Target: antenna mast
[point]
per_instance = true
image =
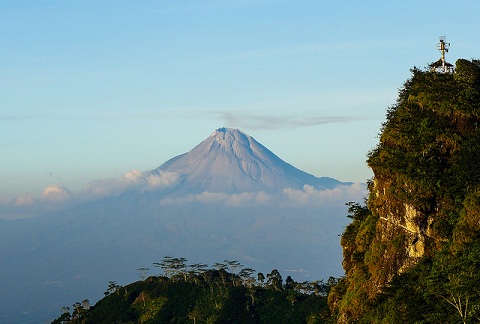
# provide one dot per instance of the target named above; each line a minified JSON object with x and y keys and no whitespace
{"x":442,"y":66}
{"x":443,"y":47}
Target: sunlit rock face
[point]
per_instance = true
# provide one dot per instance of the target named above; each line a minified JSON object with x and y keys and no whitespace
{"x":399,"y":222}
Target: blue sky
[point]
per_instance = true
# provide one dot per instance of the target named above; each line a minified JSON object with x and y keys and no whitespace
{"x":94,"y":89}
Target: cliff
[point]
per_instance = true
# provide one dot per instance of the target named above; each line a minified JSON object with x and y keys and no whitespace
{"x":420,"y":225}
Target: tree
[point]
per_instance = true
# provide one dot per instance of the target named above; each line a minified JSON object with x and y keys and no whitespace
{"x":219,"y":265}
{"x":173,"y":266}
{"x":232,"y":265}
{"x":304,"y":287}
{"x":246,"y":276}
{"x":274,"y":279}
{"x":86,"y":304}
{"x":320,"y":288}
{"x":248,"y":281}
{"x":112,"y":287}
{"x":197,"y":269}
{"x":78,"y":310}
{"x":64,"y":317}
{"x":261,"y":278}
{"x":455,"y":279}
{"x":194,"y":314}
{"x":289,"y":283}
{"x":143,"y":273}
{"x":357,"y":211}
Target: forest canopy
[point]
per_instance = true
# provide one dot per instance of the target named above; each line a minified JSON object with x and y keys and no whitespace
{"x":194,"y":293}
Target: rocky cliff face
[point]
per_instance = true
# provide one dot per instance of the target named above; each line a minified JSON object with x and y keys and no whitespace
{"x":424,"y":168}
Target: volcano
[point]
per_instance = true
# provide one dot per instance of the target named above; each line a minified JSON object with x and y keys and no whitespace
{"x":230,"y":161}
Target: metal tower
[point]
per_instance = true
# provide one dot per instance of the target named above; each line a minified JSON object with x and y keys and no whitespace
{"x":442,"y":66}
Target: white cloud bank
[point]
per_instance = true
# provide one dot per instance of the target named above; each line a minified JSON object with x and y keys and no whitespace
{"x":130,"y":180}
{"x":57,"y":197}
{"x":162,"y":179}
{"x":308,"y":196}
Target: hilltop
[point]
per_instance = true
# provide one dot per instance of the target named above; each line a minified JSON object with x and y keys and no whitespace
{"x":412,"y":252}
{"x":195,"y":294}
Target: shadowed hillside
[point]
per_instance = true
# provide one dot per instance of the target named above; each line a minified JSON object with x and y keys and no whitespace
{"x":195,"y":294}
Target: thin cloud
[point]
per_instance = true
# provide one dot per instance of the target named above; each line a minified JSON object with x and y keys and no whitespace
{"x":240,"y":199}
{"x":54,"y":198}
{"x":55,"y":117}
{"x":315,"y":197}
{"x":208,"y":6}
{"x":20,"y":117}
{"x":258,"y":121}
{"x":24,"y":200}
{"x":309,"y":49}
{"x":130,"y":180}
{"x":108,"y":187}
{"x":236,"y":118}
{"x":247,"y":198}
{"x":267,"y":53}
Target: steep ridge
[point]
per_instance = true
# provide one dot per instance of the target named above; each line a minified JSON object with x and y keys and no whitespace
{"x":230,"y":161}
{"x":411,"y":254}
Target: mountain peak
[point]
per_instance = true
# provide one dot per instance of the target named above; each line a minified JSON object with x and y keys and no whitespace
{"x":230,"y":161}
{"x":226,"y":137}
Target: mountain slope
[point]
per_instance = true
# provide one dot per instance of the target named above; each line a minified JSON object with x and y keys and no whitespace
{"x":229,"y":161}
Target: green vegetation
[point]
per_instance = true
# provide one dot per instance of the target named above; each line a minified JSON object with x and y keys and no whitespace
{"x":195,"y":294}
{"x":412,"y":253}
